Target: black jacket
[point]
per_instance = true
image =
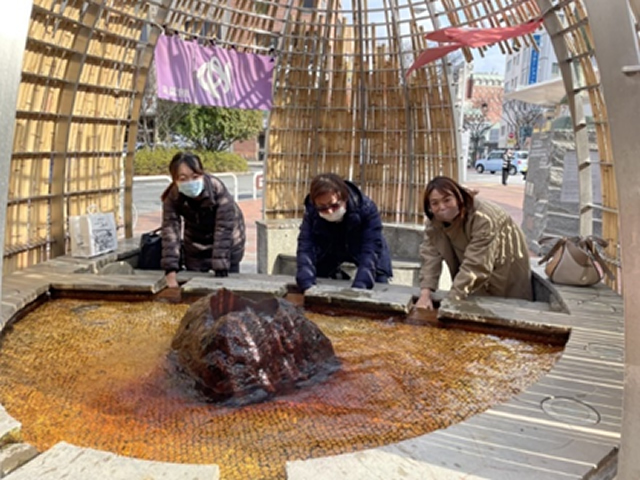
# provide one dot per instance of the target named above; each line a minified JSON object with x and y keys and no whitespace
{"x":214,"y":230}
{"x":323,"y":245}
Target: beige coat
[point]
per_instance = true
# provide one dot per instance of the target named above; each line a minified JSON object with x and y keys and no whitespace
{"x":486,"y":254}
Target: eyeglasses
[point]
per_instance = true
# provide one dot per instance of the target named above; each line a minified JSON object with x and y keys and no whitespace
{"x":326,"y":208}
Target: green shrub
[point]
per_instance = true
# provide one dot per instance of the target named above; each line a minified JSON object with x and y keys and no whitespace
{"x":148,"y":161}
{"x":223,"y":162}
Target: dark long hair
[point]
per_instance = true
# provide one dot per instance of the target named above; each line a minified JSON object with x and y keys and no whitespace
{"x":328,"y":183}
{"x":191,"y":160}
{"x":447,"y":185}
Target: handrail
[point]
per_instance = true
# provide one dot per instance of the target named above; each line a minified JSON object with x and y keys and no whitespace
{"x":258,"y":183}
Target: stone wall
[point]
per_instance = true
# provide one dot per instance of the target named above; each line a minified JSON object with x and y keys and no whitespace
{"x":551,"y":201}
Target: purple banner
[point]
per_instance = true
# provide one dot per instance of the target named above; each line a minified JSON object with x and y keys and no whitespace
{"x":212,"y":76}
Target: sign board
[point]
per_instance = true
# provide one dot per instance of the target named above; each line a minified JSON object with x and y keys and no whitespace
{"x":533,"y":64}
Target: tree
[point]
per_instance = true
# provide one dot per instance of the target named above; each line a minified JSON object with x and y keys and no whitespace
{"x":216,"y":128}
{"x":521,"y":118}
{"x":158,"y":118}
{"x":477,"y":124}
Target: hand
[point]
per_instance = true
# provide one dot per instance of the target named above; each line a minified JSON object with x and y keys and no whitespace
{"x":221,"y":273}
{"x":172,"y":282}
{"x":425,"y":299}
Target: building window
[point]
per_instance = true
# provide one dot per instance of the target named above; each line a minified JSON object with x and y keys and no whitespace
{"x":266,"y":40}
{"x":555,"y":68}
{"x":508,"y":65}
{"x":261,"y":7}
{"x":309,"y":4}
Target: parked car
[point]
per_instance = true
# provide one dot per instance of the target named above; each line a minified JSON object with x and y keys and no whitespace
{"x":493,"y":163}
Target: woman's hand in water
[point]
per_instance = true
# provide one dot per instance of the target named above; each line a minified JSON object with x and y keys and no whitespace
{"x":425,"y":299}
{"x":172,"y":282}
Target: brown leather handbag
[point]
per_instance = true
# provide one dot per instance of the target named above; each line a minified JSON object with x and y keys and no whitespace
{"x":575,"y":261}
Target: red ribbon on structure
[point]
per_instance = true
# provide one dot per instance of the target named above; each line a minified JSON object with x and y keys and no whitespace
{"x":469,"y":37}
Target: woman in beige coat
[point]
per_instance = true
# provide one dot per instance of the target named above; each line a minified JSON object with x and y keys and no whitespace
{"x":485,"y":250}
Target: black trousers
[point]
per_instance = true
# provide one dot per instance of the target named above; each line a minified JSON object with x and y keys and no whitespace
{"x":505,"y":175}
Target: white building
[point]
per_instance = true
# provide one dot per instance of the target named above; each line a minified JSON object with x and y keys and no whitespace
{"x":528,"y":67}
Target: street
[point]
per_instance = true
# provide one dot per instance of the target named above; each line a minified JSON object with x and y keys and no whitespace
{"x":493,"y":178}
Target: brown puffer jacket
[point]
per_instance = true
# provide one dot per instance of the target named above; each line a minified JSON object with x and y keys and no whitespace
{"x":486,"y":254}
{"x":214,"y":230}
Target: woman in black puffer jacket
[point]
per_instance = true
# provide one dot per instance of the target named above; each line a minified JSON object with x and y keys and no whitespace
{"x":341,"y":224}
{"x":214,"y":230}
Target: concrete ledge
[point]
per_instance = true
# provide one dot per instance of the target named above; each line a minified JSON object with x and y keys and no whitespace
{"x":68,"y":462}
{"x":278,"y":240}
{"x":9,"y":428}
{"x":14,"y":456}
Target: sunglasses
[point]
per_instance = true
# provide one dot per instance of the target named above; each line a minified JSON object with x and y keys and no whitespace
{"x":326,"y":208}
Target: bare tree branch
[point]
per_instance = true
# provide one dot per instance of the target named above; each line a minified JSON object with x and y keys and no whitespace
{"x":521,"y":118}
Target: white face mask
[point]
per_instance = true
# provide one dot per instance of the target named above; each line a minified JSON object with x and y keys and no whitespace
{"x":191,"y":188}
{"x":447,"y":215}
{"x":334,"y":216}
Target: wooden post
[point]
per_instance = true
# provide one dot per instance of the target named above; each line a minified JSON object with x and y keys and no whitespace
{"x":618,"y":57}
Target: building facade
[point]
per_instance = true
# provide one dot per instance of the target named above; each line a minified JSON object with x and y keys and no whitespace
{"x":528,"y":66}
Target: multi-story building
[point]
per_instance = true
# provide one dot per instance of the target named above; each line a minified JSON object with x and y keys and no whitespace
{"x":526,"y":67}
{"x":483,"y":110}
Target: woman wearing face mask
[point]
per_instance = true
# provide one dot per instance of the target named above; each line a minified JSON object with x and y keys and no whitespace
{"x":485,"y":250}
{"x":214,"y":230}
{"x":341,"y":224}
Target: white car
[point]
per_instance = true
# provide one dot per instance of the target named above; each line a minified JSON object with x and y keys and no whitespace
{"x":493,"y":163}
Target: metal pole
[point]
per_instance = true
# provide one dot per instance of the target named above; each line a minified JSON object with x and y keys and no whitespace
{"x":362,"y":95}
{"x":14,"y":28}
{"x":617,"y":53}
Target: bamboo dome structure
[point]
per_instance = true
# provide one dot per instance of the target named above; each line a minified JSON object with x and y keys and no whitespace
{"x":342,"y":101}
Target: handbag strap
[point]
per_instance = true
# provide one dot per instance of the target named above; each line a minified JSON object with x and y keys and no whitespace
{"x":588,"y":244}
{"x":549,"y":255}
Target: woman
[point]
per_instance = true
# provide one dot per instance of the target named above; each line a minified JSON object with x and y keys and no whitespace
{"x":214,"y":231}
{"x":341,"y":224}
{"x":485,"y":250}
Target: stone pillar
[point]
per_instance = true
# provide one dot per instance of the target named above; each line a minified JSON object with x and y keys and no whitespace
{"x":618,"y":55}
{"x":552,"y":192}
{"x":14,"y":26}
{"x":276,"y":237}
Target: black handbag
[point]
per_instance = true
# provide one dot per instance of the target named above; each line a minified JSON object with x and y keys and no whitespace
{"x":150,"y":250}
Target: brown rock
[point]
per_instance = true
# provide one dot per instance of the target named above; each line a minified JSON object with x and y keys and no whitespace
{"x":244,"y":352}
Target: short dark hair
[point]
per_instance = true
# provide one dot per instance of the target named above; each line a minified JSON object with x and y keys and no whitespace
{"x":191,"y":160}
{"x":447,"y":185}
{"x":328,"y":183}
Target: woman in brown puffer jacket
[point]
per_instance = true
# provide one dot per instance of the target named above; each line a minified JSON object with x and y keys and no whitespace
{"x":485,"y":250}
{"x":214,"y":230}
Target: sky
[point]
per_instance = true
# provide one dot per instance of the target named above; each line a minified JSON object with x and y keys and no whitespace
{"x":493,"y":61}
